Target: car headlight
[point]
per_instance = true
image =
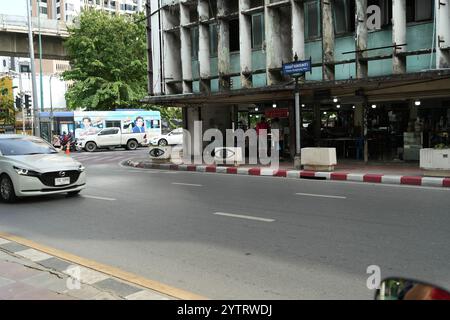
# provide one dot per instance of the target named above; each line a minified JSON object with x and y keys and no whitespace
{"x":81,"y":168}
{"x":26,"y":172}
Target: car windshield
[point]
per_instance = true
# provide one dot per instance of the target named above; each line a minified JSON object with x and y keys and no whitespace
{"x":25,"y":146}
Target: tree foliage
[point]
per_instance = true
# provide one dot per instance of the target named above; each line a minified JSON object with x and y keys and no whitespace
{"x":108,"y":61}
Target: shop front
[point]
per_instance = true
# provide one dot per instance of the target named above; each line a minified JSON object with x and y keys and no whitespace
{"x":381,"y":119}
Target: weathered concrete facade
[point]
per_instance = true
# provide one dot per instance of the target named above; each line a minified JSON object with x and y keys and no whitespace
{"x":222,"y":56}
{"x":198,"y":58}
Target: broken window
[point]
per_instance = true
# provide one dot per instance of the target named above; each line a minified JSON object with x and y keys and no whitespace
{"x":194,"y":43}
{"x":213,"y":39}
{"x":312,"y":18}
{"x":419,"y":10}
{"x":344,"y":16}
{"x":258,"y":34}
{"x":234,"y":35}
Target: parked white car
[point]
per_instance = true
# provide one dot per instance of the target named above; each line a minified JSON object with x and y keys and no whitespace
{"x":110,"y":138}
{"x":174,"y":137}
{"x":29,"y":166}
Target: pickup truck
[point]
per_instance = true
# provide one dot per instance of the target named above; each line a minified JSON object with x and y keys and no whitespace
{"x":111,"y":138}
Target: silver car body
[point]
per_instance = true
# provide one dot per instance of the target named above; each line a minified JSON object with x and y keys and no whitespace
{"x":49,"y":167}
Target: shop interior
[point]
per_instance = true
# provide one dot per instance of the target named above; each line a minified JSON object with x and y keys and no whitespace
{"x":396,"y":131}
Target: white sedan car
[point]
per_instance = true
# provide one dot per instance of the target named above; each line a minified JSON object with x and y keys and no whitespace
{"x":174,"y":137}
{"x":29,"y":166}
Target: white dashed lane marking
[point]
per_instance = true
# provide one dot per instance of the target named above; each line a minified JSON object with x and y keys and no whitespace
{"x":98,"y":198}
{"x":232,"y":215}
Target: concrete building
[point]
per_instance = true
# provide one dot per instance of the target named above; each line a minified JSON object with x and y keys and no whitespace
{"x":380,"y":75}
{"x":67,"y":10}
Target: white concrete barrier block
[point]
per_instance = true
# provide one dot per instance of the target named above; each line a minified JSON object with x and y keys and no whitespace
{"x":319,"y":156}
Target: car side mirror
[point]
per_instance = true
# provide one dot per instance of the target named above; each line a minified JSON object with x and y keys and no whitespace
{"x":406,"y":289}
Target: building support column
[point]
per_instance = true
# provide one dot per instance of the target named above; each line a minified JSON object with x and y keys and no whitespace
{"x":186,"y":48}
{"x":298,"y":30}
{"x":362,"y":65}
{"x":442,"y":33}
{"x":171,"y":58}
{"x":361,"y":125}
{"x":245,"y":39}
{"x":150,"y":75}
{"x":399,"y":36}
{"x":204,"y":51}
{"x":317,"y":123}
{"x":223,"y":45}
{"x":328,"y":69}
{"x":273,"y":44}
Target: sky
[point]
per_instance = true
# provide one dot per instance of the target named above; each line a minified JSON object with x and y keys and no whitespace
{"x":13,"y":7}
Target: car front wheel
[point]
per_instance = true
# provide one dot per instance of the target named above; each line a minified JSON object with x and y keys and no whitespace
{"x":162,"y":143}
{"x":7,"y":193}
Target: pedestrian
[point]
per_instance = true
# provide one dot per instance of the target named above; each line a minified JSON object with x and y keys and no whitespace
{"x":276,"y":125}
{"x":262,"y":125}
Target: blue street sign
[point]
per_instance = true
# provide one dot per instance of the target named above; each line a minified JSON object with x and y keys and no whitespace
{"x":297,"y":67}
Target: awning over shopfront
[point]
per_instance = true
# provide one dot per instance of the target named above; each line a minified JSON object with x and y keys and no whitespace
{"x":429,"y":84}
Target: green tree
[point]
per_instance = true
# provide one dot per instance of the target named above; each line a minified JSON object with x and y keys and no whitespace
{"x":108,"y":61}
{"x":7,"y":113}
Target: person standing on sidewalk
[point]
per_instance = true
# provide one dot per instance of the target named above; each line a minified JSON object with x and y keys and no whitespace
{"x":262,"y":125}
{"x":276,"y":125}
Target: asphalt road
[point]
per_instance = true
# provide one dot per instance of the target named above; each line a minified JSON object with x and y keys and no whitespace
{"x":244,"y":237}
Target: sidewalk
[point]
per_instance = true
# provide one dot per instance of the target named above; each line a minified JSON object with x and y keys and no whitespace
{"x":388,"y":173}
{"x":28,"y":274}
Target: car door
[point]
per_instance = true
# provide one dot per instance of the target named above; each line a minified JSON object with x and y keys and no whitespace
{"x":109,"y":137}
{"x":175,"y":137}
{"x":178,"y":137}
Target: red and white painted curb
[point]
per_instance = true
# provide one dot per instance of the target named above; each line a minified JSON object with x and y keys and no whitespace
{"x":337,"y":176}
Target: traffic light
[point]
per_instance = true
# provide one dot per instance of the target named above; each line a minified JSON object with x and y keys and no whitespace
{"x":18,"y":103}
{"x":27,"y":101}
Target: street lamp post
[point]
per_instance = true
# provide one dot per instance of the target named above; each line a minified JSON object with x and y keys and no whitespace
{"x":51,"y":106}
{"x":36,"y":124}
{"x":40,"y":56}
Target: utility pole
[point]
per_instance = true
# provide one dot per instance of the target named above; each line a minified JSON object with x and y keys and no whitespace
{"x":148,"y":12}
{"x":41,"y":84}
{"x":36,"y":124}
{"x":298,"y":120}
{"x":21,"y":103}
{"x":51,"y":107}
